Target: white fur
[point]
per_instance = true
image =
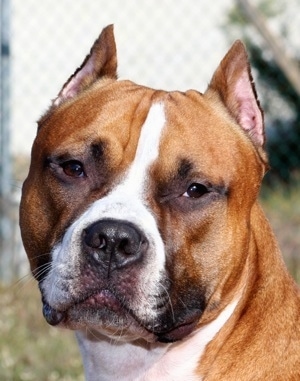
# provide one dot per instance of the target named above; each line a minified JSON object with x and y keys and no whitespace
{"x":106,"y":360}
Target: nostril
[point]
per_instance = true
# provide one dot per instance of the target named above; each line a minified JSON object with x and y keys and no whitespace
{"x":94,"y":240}
{"x":101,"y":242}
{"x":125,"y":247}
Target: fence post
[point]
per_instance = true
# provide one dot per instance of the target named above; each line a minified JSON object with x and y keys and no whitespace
{"x":5,"y":167}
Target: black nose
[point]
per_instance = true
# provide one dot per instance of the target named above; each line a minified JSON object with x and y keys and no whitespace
{"x":114,"y":244}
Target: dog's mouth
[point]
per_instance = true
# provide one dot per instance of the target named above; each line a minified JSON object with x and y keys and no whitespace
{"x":101,"y":301}
{"x":104,"y":310}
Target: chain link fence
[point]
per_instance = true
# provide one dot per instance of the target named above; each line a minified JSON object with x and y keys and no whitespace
{"x":168,"y":44}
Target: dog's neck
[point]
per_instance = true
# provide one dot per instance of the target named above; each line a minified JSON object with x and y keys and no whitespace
{"x":107,"y":359}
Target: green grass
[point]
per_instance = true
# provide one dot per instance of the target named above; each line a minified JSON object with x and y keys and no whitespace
{"x":31,"y":350}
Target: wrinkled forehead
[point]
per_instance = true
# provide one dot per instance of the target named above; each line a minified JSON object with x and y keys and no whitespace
{"x":127,"y":121}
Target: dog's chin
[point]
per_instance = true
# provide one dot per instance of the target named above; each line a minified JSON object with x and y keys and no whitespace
{"x":104,"y":313}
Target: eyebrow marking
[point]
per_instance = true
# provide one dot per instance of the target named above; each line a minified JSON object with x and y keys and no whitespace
{"x":97,"y":149}
{"x":184,"y":169}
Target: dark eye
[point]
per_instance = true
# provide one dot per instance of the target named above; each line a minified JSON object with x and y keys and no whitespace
{"x":196,"y":190}
{"x":73,"y":168}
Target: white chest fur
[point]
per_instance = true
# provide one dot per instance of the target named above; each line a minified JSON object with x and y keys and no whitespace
{"x":110,"y":360}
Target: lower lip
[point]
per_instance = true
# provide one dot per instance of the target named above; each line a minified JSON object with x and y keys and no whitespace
{"x":178,"y":333}
{"x":52,"y":316}
{"x":102,"y":299}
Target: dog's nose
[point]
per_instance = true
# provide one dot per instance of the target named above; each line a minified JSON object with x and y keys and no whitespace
{"x":114,"y":244}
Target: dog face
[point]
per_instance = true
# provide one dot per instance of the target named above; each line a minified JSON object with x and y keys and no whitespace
{"x":131,"y":213}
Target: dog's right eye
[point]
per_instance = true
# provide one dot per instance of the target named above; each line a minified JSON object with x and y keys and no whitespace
{"x":73,"y":168}
{"x":196,"y":190}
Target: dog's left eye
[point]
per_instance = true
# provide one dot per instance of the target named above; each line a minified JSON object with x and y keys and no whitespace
{"x":73,"y":168}
{"x":196,"y":190}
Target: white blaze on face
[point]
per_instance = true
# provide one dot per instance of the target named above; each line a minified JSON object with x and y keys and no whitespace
{"x":125,"y":202}
{"x":147,"y":150}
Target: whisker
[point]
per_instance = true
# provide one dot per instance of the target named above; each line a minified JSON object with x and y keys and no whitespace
{"x":23,"y":282}
{"x":41,"y":255}
{"x":166,"y":292}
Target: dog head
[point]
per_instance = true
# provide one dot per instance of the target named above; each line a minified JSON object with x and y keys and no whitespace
{"x":135,"y":214}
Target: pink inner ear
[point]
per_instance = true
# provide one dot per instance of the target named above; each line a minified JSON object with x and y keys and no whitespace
{"x":249,"y":114}
{"x":73,"y":87}
{"x":101,"y":62}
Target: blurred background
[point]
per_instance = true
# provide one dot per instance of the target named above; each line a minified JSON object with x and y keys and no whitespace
{"x":172,"y":44}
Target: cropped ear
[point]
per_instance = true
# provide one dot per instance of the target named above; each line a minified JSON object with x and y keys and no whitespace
{"x":233,"y":83}
{"x":101,"y":62}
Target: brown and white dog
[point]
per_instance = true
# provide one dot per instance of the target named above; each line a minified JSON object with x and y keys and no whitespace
{"x":141,"y":223}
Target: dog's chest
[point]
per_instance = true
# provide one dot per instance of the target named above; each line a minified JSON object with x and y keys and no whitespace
{"x":108,"y":360}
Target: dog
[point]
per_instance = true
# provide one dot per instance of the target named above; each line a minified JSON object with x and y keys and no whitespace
{"x":141,"y":223}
